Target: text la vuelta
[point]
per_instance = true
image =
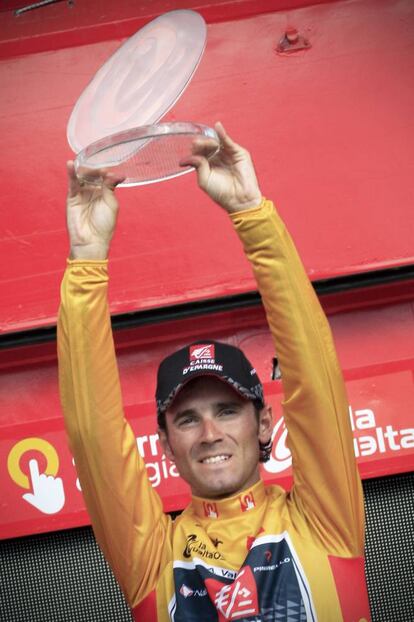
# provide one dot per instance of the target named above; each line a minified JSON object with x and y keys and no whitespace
{"x":380,"y":439}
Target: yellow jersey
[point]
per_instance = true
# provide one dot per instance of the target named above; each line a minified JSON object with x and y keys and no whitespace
{"x":265,"y":554}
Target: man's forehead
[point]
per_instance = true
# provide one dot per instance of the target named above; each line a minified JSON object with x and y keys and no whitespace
{"x":206,"y":388}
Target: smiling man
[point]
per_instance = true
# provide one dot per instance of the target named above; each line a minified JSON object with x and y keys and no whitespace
{"x":212,"y":431}
{"x":240,"y":550}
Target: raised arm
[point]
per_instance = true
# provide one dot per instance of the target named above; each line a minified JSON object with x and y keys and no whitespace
{"x":126,"y":513}
{"x":326,"y":482}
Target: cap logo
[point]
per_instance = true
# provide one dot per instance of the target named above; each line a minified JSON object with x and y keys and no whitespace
{"x":204,"y":351}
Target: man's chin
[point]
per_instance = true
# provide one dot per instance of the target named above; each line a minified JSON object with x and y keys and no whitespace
{"x":217,"y":490}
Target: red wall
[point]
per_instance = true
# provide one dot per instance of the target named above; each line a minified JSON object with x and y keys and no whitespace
{"x":331,"y":131}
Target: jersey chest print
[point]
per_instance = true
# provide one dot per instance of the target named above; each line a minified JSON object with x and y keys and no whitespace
{"x":270,"y":586}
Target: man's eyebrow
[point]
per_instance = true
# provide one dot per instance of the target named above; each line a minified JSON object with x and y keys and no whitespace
{"x":218,"y":406}
{"x":188,"y":412}
{"x":221,"y":405}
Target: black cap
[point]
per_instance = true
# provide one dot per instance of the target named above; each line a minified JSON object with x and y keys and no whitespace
{"x":206,"y":358}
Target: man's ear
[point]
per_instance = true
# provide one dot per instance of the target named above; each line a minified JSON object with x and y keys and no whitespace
{"x":265,"y":424}
{"x":163,"y":436}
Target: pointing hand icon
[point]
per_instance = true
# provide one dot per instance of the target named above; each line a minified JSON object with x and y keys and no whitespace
{"x":48,"y":495}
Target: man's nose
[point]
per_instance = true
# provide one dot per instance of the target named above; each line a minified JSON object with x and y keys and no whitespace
{"x":211,"y":431}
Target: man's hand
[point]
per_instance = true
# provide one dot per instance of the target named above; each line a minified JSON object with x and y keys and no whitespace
{"x":229,"y":177}
{"x":92,"y":211}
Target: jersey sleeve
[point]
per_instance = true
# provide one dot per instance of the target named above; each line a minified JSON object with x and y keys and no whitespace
{"x":326,"y":485}
{"x":126,"y":513}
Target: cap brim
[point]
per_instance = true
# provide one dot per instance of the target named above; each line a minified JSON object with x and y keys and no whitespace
{"x":245,"y":393}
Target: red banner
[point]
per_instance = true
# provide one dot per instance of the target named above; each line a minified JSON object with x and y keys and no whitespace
{"x":41,"y":491}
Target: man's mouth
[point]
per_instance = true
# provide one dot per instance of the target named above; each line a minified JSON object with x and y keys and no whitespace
{"x":215,"y":459}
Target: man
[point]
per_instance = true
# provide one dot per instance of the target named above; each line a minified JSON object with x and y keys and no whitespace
{"x":240,"y":551}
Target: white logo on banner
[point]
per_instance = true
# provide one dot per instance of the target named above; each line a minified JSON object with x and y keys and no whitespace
{"x":159,"y":468}
{"x":46,"y":491}
{"x":280,"y":458}
{"x":376,"y":440}
{"x":48,"y":495}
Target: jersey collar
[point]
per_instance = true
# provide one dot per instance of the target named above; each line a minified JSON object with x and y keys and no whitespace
{"x":216,"y":509}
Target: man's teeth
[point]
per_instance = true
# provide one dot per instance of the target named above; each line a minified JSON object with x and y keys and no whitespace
{"x":215,"y":459}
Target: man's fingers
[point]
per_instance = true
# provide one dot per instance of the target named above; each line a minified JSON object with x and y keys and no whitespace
{"x":202,"y":150}
{"x":227,"y":143}
{"x":204,"y":147}
{"x":112,"y":180}
{"x":34,"y":472}
{"x":73,"y":181}
{"x":82,"y":177}
{"x":202,"y":167}
{"x":91,"y":176}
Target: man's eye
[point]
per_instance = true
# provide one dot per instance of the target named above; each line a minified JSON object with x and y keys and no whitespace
{"x":228,"y":411}
{"x":184,"y":421}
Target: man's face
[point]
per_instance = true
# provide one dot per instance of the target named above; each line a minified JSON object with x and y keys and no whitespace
{"x":213,"y":437}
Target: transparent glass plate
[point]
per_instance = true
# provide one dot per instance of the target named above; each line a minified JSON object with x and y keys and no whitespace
{"x":141,"y":81}
{"x":145,"y":154}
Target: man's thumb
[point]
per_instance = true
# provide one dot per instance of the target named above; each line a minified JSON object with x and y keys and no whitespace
{"x":202,"y":166}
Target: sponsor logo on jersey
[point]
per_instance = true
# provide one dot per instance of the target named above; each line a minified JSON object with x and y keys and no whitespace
{"x":271,"y":584}
{"x":187,"y":592}
{"x":247,"y":502}
{"x":210,"y":509}
{"x":202,"y":352}
{"x":237,"y":600}
{"x":251,"y":539}
{"x":270,"y":567}
{"x":195,"y":547}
